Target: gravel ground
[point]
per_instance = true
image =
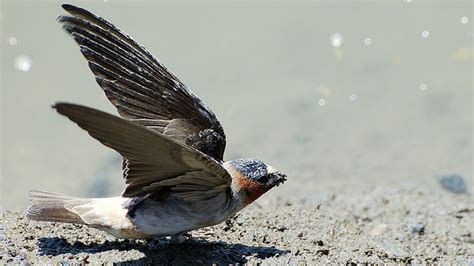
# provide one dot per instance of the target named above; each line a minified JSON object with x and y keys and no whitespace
{"x":410,"y":223}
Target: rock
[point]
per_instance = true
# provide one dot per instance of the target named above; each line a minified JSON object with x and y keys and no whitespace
{"x":323,"y":251}
{"x":418,"y":229}
{"x":453,"y":183}
{"x":282,"y":229}
{"x":319,"y":243}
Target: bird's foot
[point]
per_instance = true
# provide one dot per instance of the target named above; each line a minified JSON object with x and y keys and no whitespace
{"x":180,"y":238}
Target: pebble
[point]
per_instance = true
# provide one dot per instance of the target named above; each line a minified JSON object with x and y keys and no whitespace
{"x":319,"y":243}
{"x":453,"y":183}
{"x":282,"y":229}
{"x":418,"y":229}
{"x":323,"y":251}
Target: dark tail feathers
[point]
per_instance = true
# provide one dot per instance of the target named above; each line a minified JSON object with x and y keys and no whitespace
{"x":50,"y":207}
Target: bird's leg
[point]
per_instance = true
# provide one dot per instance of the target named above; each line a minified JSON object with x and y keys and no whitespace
{"x":180,"y":238}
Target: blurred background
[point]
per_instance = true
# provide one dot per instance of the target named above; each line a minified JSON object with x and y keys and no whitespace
{"x":333,"y":94}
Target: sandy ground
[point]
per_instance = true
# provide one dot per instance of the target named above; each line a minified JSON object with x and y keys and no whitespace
{"x":361,"y":167}
{"x":411,"y":223}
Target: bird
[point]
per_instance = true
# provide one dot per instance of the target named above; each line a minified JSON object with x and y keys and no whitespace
{"x":172,"y":145}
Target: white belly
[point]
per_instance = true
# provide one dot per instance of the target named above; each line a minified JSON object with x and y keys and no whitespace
{"x":150,"y":218}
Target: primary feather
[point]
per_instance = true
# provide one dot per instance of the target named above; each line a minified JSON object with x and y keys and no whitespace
{"x":142,"y":89}
{"x":152,"y":157}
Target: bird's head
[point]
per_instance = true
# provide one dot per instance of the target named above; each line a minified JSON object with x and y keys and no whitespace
{"x":252,"y":178}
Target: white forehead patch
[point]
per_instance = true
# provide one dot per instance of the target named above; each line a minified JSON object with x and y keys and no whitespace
{"x":270,"y":169}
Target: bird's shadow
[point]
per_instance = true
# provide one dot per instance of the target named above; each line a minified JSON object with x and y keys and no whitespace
{"x":194,"y":251}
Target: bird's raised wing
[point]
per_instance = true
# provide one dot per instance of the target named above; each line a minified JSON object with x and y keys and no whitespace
{"x":142,"y":89}
{"x":156,"y":162}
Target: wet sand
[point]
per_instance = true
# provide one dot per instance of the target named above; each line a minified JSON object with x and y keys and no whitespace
{"x":410,"y":223}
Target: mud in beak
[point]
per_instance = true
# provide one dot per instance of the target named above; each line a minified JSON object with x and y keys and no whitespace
{"x":276,"y":179}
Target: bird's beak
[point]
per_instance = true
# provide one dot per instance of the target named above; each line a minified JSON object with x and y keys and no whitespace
{"x":276,"y":179}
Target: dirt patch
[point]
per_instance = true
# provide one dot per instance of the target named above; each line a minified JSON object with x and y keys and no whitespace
{"x":410,"y":223}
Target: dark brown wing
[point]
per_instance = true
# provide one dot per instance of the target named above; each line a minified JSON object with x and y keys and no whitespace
{"x":155,"y":161}
{"x":141,"y":88}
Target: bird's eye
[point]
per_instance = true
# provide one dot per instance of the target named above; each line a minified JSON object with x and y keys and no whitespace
{"x":263,"y":179}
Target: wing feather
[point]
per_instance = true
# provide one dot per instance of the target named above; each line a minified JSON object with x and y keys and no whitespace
{"x":140,"y":87}
{"x":154,"y":161}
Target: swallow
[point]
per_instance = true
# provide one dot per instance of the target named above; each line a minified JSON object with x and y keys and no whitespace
{"x":172,"y":145}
